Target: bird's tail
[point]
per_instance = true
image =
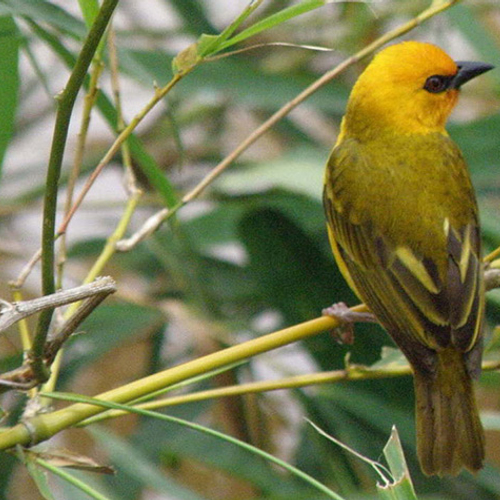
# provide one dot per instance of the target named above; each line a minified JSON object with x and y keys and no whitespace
{"x":449,"y":431}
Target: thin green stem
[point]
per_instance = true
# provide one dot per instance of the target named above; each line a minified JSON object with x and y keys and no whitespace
{"x":88,"y":104}
{"x":351,"y":373}
{"x":492,"y":256}
{"x":115,"y":87}
{"x":205,"y":430}
{"x":66,"y":101}
{"x":43,"y":426}
{"x":110,"y":247}
{"x":159,"y":94}
{"x":107,"y":252}
{"x":298,"y":381}
{"x":131,"y":180}
{"x":77,"y":483}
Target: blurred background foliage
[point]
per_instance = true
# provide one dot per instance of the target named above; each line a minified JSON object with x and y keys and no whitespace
{"x":248,"y":257}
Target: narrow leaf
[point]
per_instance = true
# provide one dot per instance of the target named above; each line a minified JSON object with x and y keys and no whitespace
{"x":89,"y":9}
{"x":145,"y":161}
{"x":38,"y":475}
{"x":274,"y":20}
{"x":131,"y":461}
{"x":43,"y":11}
{"x":74,"y":481}
{"x":9,"y":76}
{"x":401,"y":488}
{"x":168,"y":418}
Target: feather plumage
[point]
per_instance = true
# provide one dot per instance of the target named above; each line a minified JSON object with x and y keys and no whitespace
{"x":403,"y":225}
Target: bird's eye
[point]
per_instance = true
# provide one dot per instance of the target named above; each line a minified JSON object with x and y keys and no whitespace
{"x":436,"y":84}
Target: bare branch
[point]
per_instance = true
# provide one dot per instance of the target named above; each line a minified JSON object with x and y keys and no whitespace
{"x":69,"y":326}
{"x":93,"y":294}
{"x":11,"y":313}
{"x":148,"y":228}
{"x":491,"y":279}
{"x":25,"y":272}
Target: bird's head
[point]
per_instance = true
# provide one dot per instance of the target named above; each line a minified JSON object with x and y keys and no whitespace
{"x":410,"y":87}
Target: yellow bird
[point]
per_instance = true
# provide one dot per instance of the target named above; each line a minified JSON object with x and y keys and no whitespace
{"x":403,"y":225}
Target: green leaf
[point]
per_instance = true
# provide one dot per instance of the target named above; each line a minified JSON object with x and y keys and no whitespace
{"x":390,"y":358}
{"x":308,"y":480}
{"x":193,"y":13}
{"x":9,"y":76}
{"x":187,"y":59}
{"x":43,"y":11}
{"x":38,"y":474}
{"x":8,"y":464}
{"x":109,"y":326}
{"x":178,"y":443}
{"x":130,"y":461}
{"x":89,"y":9}
{"x":298,"y":171}
{"x":243,"y":81}
{"x":70,"y":479}
{"x":478,"y":141}
{"x":274,"y":20}
{"x":296,"y":277}
{"x":208,"y":45}
{"x":401,"y":488}
{"x":217,"y":225}
{"x":144,"y":160}
{"x":462,"y":16}
{"x":377,"y":467}
{"x":361,"y":415}
{"x":290,"y":267}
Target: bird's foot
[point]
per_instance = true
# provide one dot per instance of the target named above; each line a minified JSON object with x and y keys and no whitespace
{"x":344,"y":333}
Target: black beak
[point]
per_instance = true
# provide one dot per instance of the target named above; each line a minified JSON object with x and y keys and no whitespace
{"x":467,"y":70}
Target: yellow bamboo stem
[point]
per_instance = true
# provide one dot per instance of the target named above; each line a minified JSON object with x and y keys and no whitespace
{"x":43,"y":426}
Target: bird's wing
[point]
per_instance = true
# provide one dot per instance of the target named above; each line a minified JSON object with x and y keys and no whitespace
{"x":422,"y":307}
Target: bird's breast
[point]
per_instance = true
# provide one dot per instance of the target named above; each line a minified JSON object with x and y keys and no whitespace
{"x":408,"y":189}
